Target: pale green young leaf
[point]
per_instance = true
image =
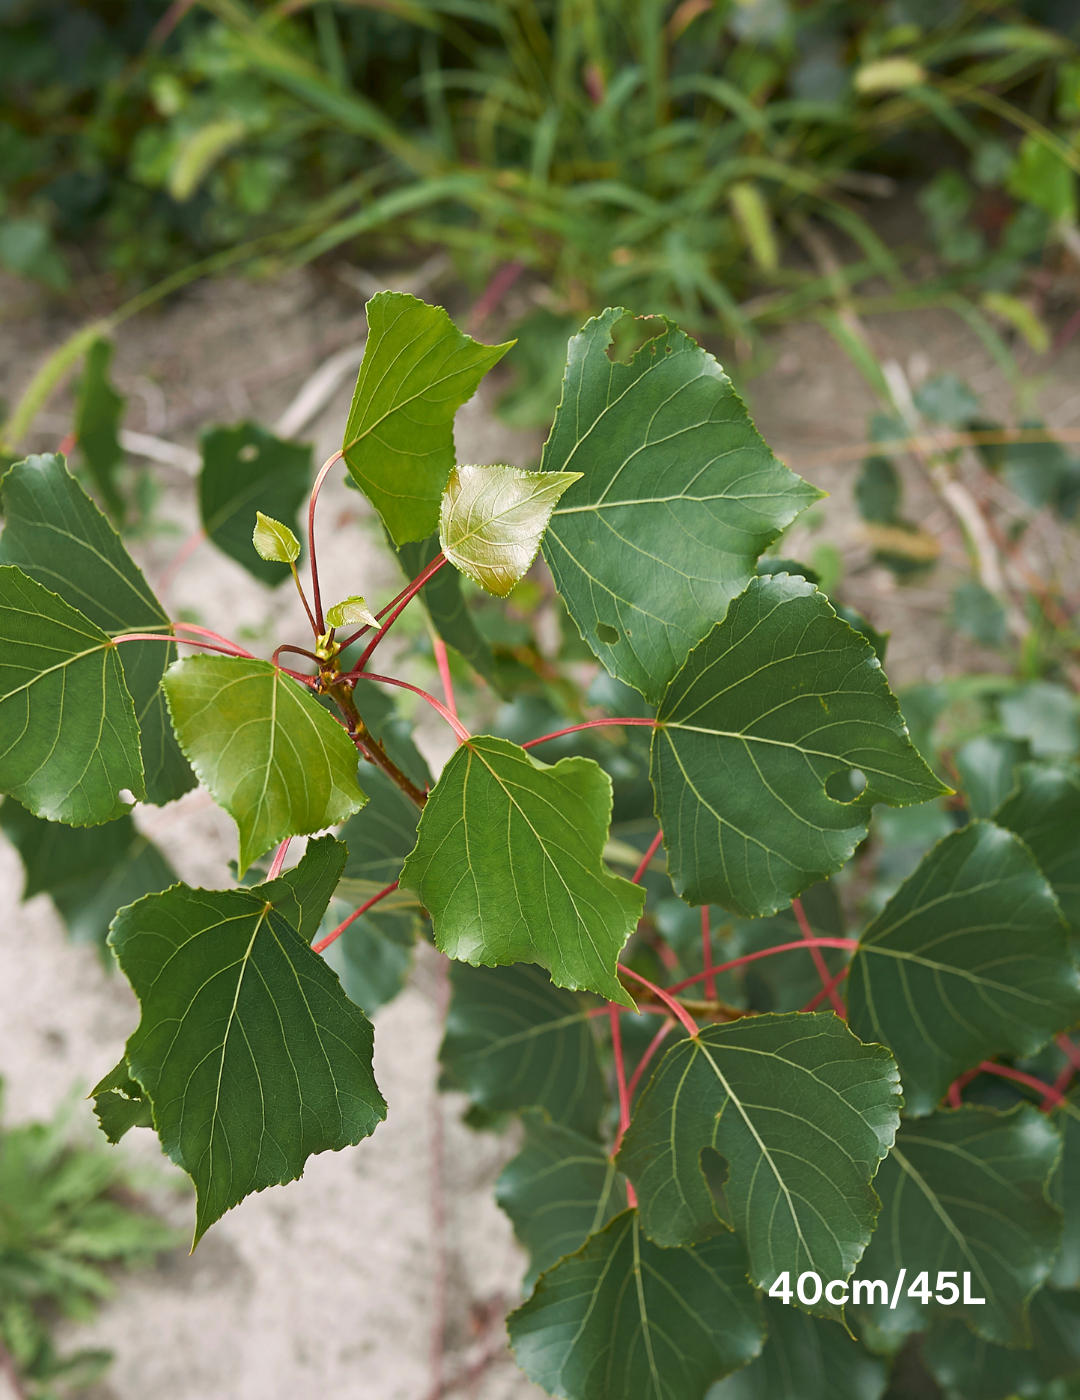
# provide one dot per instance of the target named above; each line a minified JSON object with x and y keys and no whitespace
{"x":492,"y":520}
{"x":969,"y":959}
{"x":418,"y":370}
{"x":803,"y":1114}
{"x":69,"y":739}
{"x":273,"y":541}
{"x":1044,"y":811}
{"x":965,"y":1191}
{"x":248,"y":1049}
{"x":678,"y":497}
{"x":351,"y":612}
{"x":515,"y":1041}
{"x":559,"y":1189}
{"x":508,"y":861}
{"x":57,"y":535}
{"x":243,"y":468}
{"x":625,"y":1320}
{"x":777,"y":699}
{"x":265,"y":748}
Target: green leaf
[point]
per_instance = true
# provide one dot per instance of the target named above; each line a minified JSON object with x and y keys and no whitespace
{"x":777,"y":699}
{"x":247,"y":470}
{"x":987,"y":767}
{"x":99,"y":410}
{"x":267,"y":750}
{"x":560,"y":1189}
{"x":88,"y":872}
{"x":57,"y":536}
{"x":806,"y":1358}
{"x":508,"y":862}
{"x":969,"y":959}
{"x":310,"y":885}
{"x":968,"y":1368}
{"x":450,"y":616}
{"x":787,"y":981}
{"x":418,"y":370}
{"x":878,"y":491}
{"x":351,"y":612}
{"x":624,"y":1320}
{"x":514,"y":1040}
{"x":69,"y":740}
{"x":965,"y":1190}
{"x":120,"y":1103}
{"x":273,"y":541}
{"x":1044,"y":811}
{"x":1065,"y":1192}
{"x":250,"y":1052}
{"x":679,"y":496}
{"x":492,"y":520}
{"x":373,"y":956}
{"x":1046,"y":715}
{"x":802,"y":1112}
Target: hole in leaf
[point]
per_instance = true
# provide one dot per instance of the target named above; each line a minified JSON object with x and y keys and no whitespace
{"x":248,"y":453}
{"x":606,"y":633}
{"x":631,"y":334}
{"x":126,"y":795}
{"x":847,"y":786}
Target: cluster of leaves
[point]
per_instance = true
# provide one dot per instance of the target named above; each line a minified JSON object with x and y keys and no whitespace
{"x":697,"y":1132}
{"x":64,"y":1225}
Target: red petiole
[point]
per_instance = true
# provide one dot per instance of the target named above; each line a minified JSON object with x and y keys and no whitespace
{"x":336,"y":933}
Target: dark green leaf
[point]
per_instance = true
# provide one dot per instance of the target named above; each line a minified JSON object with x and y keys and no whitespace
{"x":806,"y":1358}
{"x":787,"y":981}
{"x":382,"y":834}
{"x":878,"y":491}
{"x":969,"y":959}
{"x":446,"y":606}
{"x":802,"y":1112}
{"x":508,"y":862}
{"x":418,"y":370}
{"x":99,"y":410}
{"x":250,"y":1052}
{"x":514,"y":1040}
{"x":965,"y":1191}
{"x":987,"y":767}
{"x":373,"y":956}
{"x":247,"y":469}
{"x":1045,"y":812}
{"x":56,"y":535}
{"x":679,"y":497}
{"x":560,"y":1189}
{"x":269,"y":753}
{"x":1065,"y":1192}
{"x":120,"y":1103}
{"x":968,"y":1368}
{"x":493,"y":519}
{"x":777,"y":699}
{"x":624,"y":1320}
{"x":302,"y":893}
{"x":69,"y":740}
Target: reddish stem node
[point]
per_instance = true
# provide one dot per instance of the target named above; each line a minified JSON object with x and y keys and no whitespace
{"x":587,"y":724}
{"x":816,"y":1000}
{"x":819,"y":960}
{"x":669,"y":1001}
{"x":279,"y":860}
{"x":653,"y":848}
{"x":650,"y":1050}
{"x":324,"y":943}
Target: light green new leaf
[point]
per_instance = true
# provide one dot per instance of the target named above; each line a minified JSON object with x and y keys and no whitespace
{"x":247,"y":470}
{"x":624,"y":1320}
{"x":248,"y":1049}
{"x":449,"y":613}
{"x":508,"y":862}
{"x":560,"y":1189}
{"x":965,"y":1191}
{"x":1045,"y":812}
{"x":492,"y":520}
{"x":351,"y":612}
{"x":69,"y":740}
{"x":806,"y":1358}
{"x":779,"y":697}
{"x":268,"y":752}
{"x":969,"y":959}
{"x":418,"y":370}
{"x":967,"y":1368}
{"x":803,"y":1114}
{"x":99,"y":410}
{"x":56,"y":535}
{"x":679,"y":496}
{"x":514,"y":1040}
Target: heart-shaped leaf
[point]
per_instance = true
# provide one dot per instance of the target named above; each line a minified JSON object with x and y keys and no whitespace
{"x":273,"y":541}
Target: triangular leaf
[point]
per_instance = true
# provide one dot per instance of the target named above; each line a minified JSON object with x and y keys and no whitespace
{"x":492,"y":520}
{"x":418,"y":370}
{"x":781,"y":696}
{"x":967,"y":1368}
{"x":1045,"y":812}
{"x":269,"y":753}
{"x":274,"y":542}
{"x":99,"y":410}
{"x":246,"y":470}
{"x":514,"y":1041}
{"x":560,"y":1189}
{"x":69,"y":740}
{"x":964,"y":1190}
{"x":802,"y":1112}
{"x":250,"y":1052}
{"x":449,"y":613}
{"x":624,"y":1320}
{"x":508,"y":861}
{"x":968,"y":959}
{"x":56,"y":535}
{"x":679,"y":497}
